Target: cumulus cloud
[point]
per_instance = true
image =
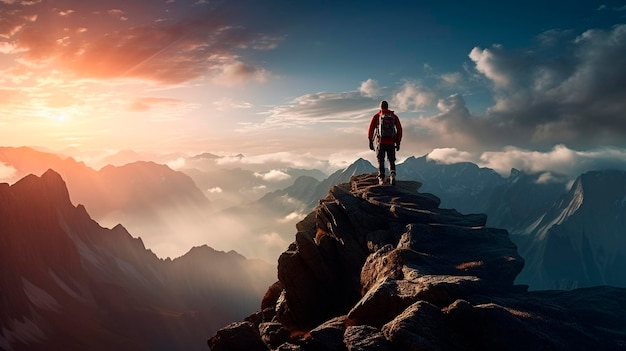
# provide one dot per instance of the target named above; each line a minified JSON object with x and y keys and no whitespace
{"x":370,"y":88}
{"x":215,"y":190}
{"x":412,"y":97}
{"x":559,"y":160}
{"x":571,"y":94}
{"x":177,"y":163}
{"x":494,"y":63}
{"x":274,"y":175}
{"x":452,"y":126}
{"x":554,"y":165}
{"x":6,"y":173}
{"x":569,"y":90}
{"x":450,"y":156}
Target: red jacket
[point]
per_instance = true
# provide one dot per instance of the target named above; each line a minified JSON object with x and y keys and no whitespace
{"x":376,"y":121}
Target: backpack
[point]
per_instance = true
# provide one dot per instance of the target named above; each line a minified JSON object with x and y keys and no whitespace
{"x":387,"y":127}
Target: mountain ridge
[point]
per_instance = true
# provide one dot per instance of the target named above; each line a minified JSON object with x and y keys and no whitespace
{"x":69,"y":283}
{"x":386,"y":268}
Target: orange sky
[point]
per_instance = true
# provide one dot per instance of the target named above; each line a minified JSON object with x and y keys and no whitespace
{"x":305,"y":78}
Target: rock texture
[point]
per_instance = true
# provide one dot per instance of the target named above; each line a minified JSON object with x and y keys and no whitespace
{"x":385,"y":268}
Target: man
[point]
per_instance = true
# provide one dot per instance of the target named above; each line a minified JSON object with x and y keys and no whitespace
{"x":386,"y":131}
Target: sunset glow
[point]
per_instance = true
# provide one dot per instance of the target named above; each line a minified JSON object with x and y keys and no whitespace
{"x":230,"y":77}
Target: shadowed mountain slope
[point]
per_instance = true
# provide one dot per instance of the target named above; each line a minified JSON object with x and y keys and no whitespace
{"x":67,"y":283}
{"x":150,"y":199}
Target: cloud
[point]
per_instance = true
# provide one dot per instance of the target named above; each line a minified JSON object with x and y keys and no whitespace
{"x":6,"y":173}
{"x":559,"y":160}
{"x":166,"y":44}
{"x":177,"y":163}
{"x":412,"y":97}
{"x":552,"y":165}
{"x":293,"y":216}
{"x":570,"y":94}
{"x":370,"y":88}
{"x":260,"y":163}
{"x":450,"y":156}
{"x":547,"y":177}
{"x":147,"y":103}
{"x":452,"y":126}
{"x":494,"y":64}
{"x":568,"y":91}
{"x":273,"y":241}
{"x":274,"y":175}
{"x":226,"y":104}
{"x":321,"y":108}
{"x":452,"y":80}
{"x":236,"y":73}
{"x":215,"y":190}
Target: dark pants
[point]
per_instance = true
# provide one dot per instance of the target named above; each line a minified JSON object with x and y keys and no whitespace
{"x":390,"y":152}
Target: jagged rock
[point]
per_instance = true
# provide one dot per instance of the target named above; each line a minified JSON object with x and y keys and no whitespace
{"x":365,"y":338}
{"x":273,"y":334}
{"x":418,"y":327}
{"x":268,"y":303}
{"x":237,"y":336}
{"x":329,"y":335}
{"x":381,"y":267}
{"x":289,"y":347}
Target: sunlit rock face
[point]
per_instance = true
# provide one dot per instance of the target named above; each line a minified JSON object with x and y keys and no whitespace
{"x":385,"y":268}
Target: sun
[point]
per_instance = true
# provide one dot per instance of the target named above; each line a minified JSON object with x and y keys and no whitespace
{"x":57,"y":116}
{"x":60,"y":117}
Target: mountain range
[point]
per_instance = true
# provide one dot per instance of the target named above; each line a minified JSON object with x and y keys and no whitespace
{"x":151,"y":200}
{"x":68,"y":283}
{"x":540,"y":211}
{"x":571,"y":233}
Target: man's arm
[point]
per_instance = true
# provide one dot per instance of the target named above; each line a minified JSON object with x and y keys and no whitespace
{"x":372,"y":127}
{"x":398,"y":129}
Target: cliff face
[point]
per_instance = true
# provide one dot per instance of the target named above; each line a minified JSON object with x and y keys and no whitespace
{"x":384,"y":268}
{"x":580,"y":241}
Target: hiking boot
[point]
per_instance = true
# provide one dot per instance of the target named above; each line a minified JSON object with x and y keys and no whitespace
{"x":381,"y":180}
{"x":392,"y":178}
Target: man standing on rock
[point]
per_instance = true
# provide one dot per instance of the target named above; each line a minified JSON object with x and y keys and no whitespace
{"x":385,"y":134}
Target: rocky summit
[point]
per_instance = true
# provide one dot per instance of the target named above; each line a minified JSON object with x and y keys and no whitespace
{"x":376,"y":267}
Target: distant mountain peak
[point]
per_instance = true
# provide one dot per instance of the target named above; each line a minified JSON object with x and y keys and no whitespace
{"x":359,"y":166}
{"x":205,"y":156}
{"x":50,"y":186}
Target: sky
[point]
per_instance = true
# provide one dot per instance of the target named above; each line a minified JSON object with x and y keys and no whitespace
{"x":533,"y":85}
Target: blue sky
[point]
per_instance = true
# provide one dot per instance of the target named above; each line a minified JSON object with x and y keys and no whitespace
{"x":533,"y":85}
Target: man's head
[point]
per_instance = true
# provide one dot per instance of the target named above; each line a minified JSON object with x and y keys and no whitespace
{"x":384,"y":105}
